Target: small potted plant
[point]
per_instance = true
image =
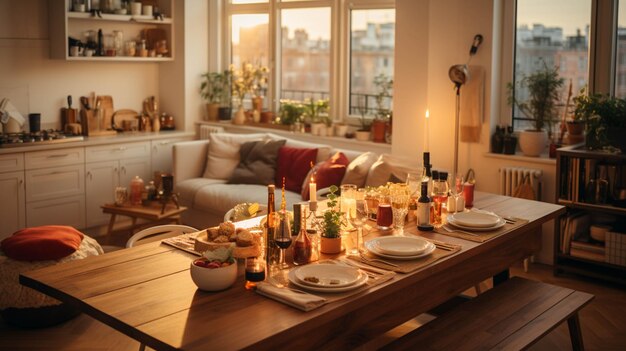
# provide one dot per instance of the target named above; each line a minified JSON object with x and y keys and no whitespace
{"x":314,"y":110}
{"x":383,"y":113}
{"x":224,"y":82}
{"x":541,"y":107}
{"x":330,"y":225}
{"x":605,"y":120}
{"x":211,"y":91}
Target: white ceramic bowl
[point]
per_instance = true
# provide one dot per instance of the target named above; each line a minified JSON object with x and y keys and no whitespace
{"x":214,"y":279}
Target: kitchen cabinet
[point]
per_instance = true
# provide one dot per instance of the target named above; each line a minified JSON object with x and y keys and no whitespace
{"x":12,"y":206}
{"x":66,"y":23}
{"x":55,"y":187}
{"x":108,"y":167}
{"x":162,"y":154}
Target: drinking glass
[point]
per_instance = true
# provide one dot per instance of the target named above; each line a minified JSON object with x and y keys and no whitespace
{"x":372,"y":198}
{"x":399,"y":208}
{"x":414,"y":183}
{"x":457,"y":191}
{"x":282,"y":236}
{"x":358,"y":218}
{"x":384,"y":216}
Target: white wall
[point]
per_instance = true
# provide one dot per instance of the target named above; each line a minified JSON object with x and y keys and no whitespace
{"x":40,"y":84}
{"x":431,"y":36}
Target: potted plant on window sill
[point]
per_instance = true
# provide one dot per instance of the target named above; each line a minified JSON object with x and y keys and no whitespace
{"x":212,"y":90}
{"x":541,"y":107}
{"x":605,"y":121}
{"x":330,"y":225}
{"x":383,"y":113}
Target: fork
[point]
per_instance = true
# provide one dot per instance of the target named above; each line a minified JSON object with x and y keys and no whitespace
{"x":280,"y":285}
{"x":450,"y":230}
{"x":367,"y":259}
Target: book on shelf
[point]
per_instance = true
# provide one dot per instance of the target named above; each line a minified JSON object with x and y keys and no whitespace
{"x":581,"y":253}
{"x":576,"y":228}
{"x":595,"y":247}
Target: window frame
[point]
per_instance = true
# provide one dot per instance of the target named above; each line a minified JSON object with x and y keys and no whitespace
{"x":340,"y":11}
{"x":602,"y":48}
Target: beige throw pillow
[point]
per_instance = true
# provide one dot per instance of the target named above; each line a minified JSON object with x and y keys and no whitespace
{"x":387,"y":166}
{"x":357,"y":170}
{"x":223,"y":154}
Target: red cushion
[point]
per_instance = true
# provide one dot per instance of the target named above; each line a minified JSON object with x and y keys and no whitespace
{"x":294,"y":164}
{"x":49,"y":242}
{"x":327,"y":173}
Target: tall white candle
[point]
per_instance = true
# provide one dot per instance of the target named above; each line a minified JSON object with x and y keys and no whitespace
{"x":312,"y":190}
{"x":426,"y":132}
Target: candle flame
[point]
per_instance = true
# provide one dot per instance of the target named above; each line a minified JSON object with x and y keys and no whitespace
{"x":427,"y":114}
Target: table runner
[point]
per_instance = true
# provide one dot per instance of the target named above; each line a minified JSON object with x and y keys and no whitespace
{"x":481,"y":237}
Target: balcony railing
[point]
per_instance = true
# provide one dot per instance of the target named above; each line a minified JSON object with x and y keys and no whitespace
{"x":359,"y":102}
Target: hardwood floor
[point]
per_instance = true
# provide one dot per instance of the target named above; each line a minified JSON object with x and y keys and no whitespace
{"x":603,"y":324}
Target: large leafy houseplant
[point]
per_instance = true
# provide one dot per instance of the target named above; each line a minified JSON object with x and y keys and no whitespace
{"x":213,"y":90}
{"x":605,"y":119}
{"x":541,"y":107}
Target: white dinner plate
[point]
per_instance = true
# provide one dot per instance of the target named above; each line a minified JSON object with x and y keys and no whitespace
{"x":475,"y":219}
{"x":294,"y":280}
{"x":500,"y":224}
{"x":401,"y":245}
{"x":327,"y":275}
{"x":372,"y":247}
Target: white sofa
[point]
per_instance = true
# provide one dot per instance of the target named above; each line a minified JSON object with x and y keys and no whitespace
{"x":208,"y":199}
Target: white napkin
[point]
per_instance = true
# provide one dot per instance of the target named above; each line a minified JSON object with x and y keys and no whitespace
{"x":301,"y":301}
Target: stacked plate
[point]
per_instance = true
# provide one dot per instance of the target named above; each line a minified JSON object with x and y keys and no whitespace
{"x":476,"y":221}
{"x":328,"y":278}
{"x":400,"y":247}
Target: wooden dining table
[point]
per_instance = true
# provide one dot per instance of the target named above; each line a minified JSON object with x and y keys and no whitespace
{"x":146,"y":292}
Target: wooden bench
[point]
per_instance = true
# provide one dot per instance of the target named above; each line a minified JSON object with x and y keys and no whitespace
{"x":511,"y":316}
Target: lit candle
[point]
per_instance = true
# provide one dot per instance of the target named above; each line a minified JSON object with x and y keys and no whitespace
{"x":426,"y":132}
{"x":312,"y":190}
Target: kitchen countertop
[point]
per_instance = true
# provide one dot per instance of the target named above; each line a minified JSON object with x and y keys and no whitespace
{"x":126,"y":137}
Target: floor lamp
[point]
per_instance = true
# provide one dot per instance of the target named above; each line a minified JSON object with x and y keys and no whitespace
{"x":459,"y":75}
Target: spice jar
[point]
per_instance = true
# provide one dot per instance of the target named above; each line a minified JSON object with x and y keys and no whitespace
{"x":136,"y":189}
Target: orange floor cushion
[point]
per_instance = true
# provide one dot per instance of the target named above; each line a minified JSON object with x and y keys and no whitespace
{"x":50,"y":242}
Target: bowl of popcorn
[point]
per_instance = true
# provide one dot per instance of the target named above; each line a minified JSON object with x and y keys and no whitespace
{"x":216,"y":270}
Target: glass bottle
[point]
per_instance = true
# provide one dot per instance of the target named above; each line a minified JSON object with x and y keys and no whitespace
{"x":271,"y":250}
{"x":440,"y":196}
{"x":302,"y":248}
{"x":136,"y":188}
{"x":282,"y":233}
{"x":497,"y":141}
{"x":423,"y":209}
{"x":431,"y":191}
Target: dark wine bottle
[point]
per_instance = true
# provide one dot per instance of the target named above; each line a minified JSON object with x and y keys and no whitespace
{"x":271,"y":249}
{"x":423,"y":209}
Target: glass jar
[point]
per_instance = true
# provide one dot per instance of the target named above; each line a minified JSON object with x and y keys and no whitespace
{"x":136,"y":188}
{"x":118,"y":42}
{"x":130,"y":48}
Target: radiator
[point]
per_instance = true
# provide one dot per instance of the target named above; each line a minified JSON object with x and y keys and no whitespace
{"x":205,"y":130}
{"x":511,"y":177}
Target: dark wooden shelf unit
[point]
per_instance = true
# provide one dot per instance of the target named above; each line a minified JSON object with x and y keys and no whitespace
{"x":572,"y":170}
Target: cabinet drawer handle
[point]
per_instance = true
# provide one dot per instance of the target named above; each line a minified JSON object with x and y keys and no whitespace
{"x":57,"y":156}
{"x":121,"y":148}
{"x":90,"y":175}
{"x":124,"y":170}
{"x":165,"y":142}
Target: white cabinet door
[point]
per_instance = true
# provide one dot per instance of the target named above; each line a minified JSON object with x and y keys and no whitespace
{"x":101,"y":178}
{"x":134,"y":167}
{"x":52,"y":183}
{"x":162,"y":155}
{"x":62,"y":211}
{"x":12,"y":215}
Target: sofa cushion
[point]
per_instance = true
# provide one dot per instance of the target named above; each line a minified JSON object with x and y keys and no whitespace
{"x":223,"y":153}
{"x":219,"y":198}
{"x":356,"y":172}
{"x":327,"y":173}
{"x":50,"y":242}
{"x":294,"y":164}
{"x":387,"y":166}
{"x":323,"y":151}
{"x":187,"y":189}
{"x":258,"y":162}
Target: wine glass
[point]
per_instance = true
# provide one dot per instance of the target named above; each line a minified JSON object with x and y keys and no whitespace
{"x":358,"y":217}
{"x":457,"y":191}
{"x":399,"y":208}
{"x":414,"y":182}
{"x":282,"y":236}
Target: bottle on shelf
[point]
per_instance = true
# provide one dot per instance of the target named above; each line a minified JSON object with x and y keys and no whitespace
{"x":423,"y":209}
{"x":271,"y":250}
{"x":136,"y":190}
{"x":302,"y":248}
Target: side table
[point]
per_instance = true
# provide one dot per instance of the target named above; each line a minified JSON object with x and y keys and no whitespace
{"x":151,"y":213}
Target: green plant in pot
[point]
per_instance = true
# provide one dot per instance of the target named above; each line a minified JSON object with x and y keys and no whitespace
{"x":541,"y":107}
{"x":290,"y":111}
{"x":605,"y":120}
{"x":384,"y":84}
{"x":364,"y":132}
{"x":212,"y":91}
{"x":330,"y":224}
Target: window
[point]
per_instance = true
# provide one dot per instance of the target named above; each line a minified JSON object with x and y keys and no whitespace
{"x":305,"y":53}
{"x":315,"y":49}
{"x":372,"y":41}
{"x":620,"y":67}
{"x":548,"y":34}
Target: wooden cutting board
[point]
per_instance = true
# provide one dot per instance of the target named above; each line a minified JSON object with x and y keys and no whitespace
{"x":89,"y":124}
{"x":105,"y":103}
